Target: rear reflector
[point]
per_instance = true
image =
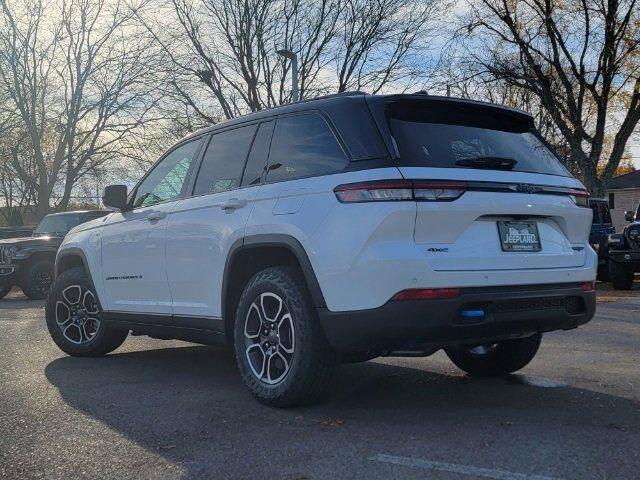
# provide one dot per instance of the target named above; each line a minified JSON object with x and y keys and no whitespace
{"x":586,"y":286}
{"x":400,"y":190}
{"x":426,"y":294}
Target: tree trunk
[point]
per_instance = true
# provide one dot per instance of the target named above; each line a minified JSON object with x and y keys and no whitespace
{"x":43,"y":204}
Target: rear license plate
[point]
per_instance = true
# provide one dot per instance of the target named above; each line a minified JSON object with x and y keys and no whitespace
{"x":518,"y":236}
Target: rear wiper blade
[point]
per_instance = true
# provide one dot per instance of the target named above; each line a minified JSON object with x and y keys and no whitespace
{"x":493,"y":163}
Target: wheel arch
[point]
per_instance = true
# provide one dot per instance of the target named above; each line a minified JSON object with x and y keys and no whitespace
{"x":253,"y":253}
{"x":71,"y":258}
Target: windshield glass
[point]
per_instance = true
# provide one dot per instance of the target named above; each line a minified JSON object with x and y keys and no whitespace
{"x":59,"y":224}
{"x":463,"y":136}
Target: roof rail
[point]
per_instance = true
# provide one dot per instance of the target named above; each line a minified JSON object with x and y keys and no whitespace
{"x":331,"y":95}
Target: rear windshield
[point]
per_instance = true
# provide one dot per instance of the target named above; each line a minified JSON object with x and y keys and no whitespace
{"x":463,"y":136}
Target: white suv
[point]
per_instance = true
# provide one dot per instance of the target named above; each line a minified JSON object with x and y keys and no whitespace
{"x":338,"y":229}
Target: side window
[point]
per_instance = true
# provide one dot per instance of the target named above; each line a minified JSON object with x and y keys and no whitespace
{"x":257,"y":161}
{"x":166,"y":180}
{"x":302,"y":146}
{"x":604,"y":213}
{"x":596,"y":217}
{"x":224,"y":160}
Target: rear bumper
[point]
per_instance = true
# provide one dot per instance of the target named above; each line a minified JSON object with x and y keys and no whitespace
{"x":509,"y":312}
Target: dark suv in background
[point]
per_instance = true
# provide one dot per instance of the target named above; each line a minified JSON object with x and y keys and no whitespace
{"x":28,"y":261}
{"x":624,"y":252}
{"x":601,"y":228}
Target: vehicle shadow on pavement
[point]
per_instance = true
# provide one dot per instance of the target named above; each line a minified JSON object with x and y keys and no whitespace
{"x":192,"y":397}
{"x":19,"y":303}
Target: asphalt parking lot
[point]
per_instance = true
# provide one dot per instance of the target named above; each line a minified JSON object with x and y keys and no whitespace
{"x":156,"y":409}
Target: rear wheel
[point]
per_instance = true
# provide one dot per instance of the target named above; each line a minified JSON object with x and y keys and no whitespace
{"x":281,"y":350}
{"x":4,"y":291}
{"x":621,"y":276}
{"x":37,"y":280}
{"x":73,"y":317}
{"x":495,"y":359}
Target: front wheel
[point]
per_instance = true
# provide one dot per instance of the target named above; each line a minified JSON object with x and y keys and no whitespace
{"x":495,"y":359}
{"x":37,"y":280}
{"x":73,"y":317}
{"x":4,"y":291}
{"x":281,"y":350}
{"x":621,"y":275}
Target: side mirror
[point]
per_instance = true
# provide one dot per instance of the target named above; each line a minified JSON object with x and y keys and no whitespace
{"x":628,"y":216}
{"x":115,"y":197}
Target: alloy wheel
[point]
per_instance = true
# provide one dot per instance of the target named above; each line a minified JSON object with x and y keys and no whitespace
{"x":77,"y":314}
{"x":269,"y":338}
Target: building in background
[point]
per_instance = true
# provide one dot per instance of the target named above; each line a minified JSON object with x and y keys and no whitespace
{"x":623,"y":195}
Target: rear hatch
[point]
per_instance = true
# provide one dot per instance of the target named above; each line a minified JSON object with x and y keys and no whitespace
{"x":506,"y":202}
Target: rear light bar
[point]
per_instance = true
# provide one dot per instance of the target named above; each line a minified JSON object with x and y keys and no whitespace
{"x":427,"y":294}
{"x":400,"y":190}
{"x":580,"y":197}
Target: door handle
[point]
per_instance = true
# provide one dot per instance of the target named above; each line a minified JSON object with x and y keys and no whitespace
{"x":233,"y":204}
{"x":155,"y":216}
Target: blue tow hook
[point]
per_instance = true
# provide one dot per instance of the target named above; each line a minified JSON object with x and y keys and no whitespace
{"x":472,"y":313}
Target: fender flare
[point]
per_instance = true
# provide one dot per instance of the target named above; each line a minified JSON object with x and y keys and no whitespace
{"x":71,"y":252}
{"x":274,"y":240}
{"x":75,"y":252}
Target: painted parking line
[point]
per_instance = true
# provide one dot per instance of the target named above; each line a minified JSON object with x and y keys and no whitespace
{"x":457,"y":468}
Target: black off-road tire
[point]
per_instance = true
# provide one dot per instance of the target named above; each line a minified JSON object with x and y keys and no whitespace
{"x":32,"y":284}
{"x":105,"y":340}
{"x":603,"y":272}
{"x":504,"y":358}
{"x":4,"y":291}
{"x":621,"y":276}
{"x":313,"y":362}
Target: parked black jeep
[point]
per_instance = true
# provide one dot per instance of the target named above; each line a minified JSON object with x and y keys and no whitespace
{"x":624,"y":253}
{"x":28,"y":261}
{"x":601,"y":228}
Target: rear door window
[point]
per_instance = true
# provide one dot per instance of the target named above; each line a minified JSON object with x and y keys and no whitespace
{"x":224,"y":160}
{"x":254,"y":172}
{"x":303,"y":146}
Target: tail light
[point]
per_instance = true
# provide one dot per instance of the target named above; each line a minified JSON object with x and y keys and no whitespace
{"x":400,"y":190}
{"x":580,"y":197}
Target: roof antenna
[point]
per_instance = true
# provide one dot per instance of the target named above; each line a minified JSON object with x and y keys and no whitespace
{"x":421,"y":92}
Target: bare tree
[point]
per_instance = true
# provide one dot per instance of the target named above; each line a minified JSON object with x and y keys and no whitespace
{"x":77,"y":86}
{"x":229,"y":46}
{"x":378,"y":38}
{"x":580,"y":58}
